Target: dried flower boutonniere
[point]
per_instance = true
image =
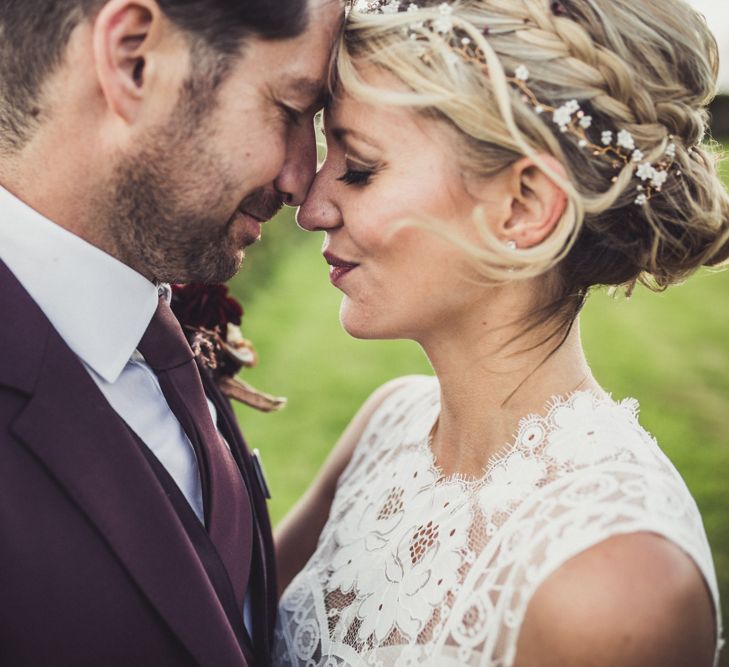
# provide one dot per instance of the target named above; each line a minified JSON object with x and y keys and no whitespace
{"x":211,"y":320}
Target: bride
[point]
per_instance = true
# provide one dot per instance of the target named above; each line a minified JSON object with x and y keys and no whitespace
{"x":489,"y":162}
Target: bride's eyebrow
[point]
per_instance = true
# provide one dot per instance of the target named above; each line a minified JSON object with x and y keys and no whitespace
{"x":342,"y":134}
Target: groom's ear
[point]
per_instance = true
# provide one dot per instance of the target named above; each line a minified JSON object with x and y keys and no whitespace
{"x":137,"y":52}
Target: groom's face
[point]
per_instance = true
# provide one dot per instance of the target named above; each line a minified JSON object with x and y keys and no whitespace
{"x":193,"y":195}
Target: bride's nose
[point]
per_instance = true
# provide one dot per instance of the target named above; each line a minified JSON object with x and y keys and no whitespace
{"x":319,"y":212}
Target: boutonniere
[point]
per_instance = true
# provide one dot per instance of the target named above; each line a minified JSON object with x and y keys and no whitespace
{"x":211,"y":320}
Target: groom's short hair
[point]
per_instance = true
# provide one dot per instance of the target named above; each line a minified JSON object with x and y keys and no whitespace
{"x":34,"y":35}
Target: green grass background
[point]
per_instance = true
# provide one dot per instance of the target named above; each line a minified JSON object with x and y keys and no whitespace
{"x":670,"y":351}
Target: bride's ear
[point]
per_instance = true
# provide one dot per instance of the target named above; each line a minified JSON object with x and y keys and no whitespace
{"x":536,"y":203}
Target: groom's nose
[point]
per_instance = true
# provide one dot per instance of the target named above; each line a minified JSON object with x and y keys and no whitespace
{"x":319,"y":212}
{"x":297,"y":173}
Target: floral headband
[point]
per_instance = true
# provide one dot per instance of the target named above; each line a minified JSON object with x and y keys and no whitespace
{"x":619,"y":146}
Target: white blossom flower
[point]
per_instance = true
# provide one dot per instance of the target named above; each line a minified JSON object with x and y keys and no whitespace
{"x":586,"y":121}
{"x":607,"y":137}
{"x":539,"y":108}
{"x":562,"y":116}
{"x":573,"y":106}
{"x":637,"y":155}
{"x":521,"y":73}
{"x":444,"y":23}
{"x":392,"y":7}
{"x":412,"y":7}
{"x":645,"y":171}
{"x":625,"y":140}
{"x":671,"y":150}
{"x":641,"y":199}
{"x":658,"y":178}
{"x":582,"y":143}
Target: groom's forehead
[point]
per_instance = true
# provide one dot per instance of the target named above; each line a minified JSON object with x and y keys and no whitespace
{"x":303,"y":62}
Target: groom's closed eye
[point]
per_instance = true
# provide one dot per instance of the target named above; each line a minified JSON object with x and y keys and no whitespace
{"x":301,"y":94}
{"x":290,"y":114}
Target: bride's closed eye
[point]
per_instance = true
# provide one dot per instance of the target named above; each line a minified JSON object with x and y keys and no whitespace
{"x":356,"y":176}
{"x":357,"y":173}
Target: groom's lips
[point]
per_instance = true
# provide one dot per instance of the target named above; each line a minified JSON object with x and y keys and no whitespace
{"x":338,"y":267}
{"x":252,"y":219}
{"x":250,"y":225}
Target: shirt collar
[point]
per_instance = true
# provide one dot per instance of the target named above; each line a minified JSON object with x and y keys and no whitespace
{"x":99,"y":306}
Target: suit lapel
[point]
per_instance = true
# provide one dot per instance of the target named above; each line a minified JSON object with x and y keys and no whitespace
{"x":87,"y":449}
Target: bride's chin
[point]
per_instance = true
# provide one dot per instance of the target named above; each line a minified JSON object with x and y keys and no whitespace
{"x":352,"y":326}
{"x":362,"y":326}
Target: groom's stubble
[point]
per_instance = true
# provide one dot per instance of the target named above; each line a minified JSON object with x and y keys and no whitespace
{"x":168,"y":209}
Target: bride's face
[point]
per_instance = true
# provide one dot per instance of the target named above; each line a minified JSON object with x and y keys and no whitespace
{"x":384,"y":165}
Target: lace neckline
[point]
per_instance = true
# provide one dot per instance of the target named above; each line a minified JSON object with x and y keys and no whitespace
{"x":414,"y":567}
{"x":530,"y":431}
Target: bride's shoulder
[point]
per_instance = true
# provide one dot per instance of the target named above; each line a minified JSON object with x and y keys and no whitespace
{"x":397,"y":398}
{"x":389,"y":404}
{"x":403,"y":394}
{"x":396,"y":405}
{"x":623,"y":551}
{"x":631,"y":600}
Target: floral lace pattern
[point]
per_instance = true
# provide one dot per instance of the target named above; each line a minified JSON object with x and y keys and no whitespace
{"x":415,"y":568}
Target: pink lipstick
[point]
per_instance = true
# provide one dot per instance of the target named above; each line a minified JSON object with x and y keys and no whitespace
{"x":338,"y":268}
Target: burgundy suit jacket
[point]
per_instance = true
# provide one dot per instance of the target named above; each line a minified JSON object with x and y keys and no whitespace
{"x":96,"y":567}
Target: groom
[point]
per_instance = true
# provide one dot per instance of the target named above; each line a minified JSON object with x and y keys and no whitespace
{"x":142,"y":142}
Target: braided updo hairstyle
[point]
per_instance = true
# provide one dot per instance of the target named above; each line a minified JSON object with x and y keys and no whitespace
{"x":646,"y":67}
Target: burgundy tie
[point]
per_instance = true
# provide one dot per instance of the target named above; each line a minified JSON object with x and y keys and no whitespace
{"x":228,"y":515}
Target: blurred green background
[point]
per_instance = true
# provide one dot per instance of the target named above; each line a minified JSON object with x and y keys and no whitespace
{"x":670,"y":351}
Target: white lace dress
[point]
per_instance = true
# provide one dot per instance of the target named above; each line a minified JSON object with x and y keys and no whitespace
{"x":414,"y":568}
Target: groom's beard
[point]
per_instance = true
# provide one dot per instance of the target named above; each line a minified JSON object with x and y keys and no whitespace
{"x":171,"y":215}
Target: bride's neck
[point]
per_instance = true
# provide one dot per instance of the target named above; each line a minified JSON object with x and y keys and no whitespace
{"x":488,"y":384}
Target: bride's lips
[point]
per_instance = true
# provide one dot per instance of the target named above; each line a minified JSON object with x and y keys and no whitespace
{"x":338,"y":268}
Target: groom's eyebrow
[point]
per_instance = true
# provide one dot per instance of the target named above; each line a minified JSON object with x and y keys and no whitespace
{"x":310,"y":90}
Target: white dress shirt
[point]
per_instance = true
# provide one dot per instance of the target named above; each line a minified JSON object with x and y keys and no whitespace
{"x":101,"y":309}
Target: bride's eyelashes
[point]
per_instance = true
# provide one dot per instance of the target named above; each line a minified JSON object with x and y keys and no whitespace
{"x":357,"y":173}
{"x":356,"y":177}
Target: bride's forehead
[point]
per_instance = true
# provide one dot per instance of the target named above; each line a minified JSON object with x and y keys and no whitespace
{"x":365,"y":117}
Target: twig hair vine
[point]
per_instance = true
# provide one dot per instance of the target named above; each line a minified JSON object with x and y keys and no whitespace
{"x":619,"y":147}
{"x":616,"y":145}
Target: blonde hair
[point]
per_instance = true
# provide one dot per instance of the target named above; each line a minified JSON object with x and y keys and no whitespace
{"x":649,"y":68}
